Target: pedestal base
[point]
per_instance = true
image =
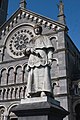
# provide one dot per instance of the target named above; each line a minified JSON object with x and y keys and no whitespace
{"x":44,"y":108}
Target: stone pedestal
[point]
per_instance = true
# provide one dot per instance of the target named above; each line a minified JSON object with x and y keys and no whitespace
{"x":44,"y":108}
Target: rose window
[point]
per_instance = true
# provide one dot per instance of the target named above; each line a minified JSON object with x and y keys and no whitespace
{"x":18,"y":41}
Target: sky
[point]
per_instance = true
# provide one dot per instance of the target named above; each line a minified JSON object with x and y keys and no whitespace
{"x":48,"y":8}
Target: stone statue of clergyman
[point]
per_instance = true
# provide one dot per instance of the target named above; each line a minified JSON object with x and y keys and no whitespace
{"x":39,"y":65}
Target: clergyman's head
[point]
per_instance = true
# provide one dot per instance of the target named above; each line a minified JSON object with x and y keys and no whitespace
{"x":37,"y":29}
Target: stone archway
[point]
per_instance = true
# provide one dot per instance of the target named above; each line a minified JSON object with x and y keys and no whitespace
{"x":11,"y":115}
{"x":77,"y":111}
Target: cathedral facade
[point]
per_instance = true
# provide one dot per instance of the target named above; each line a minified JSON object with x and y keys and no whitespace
{"x":65,"y":71}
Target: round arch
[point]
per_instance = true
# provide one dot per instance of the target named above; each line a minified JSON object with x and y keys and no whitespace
{"x":11,"y":115}
{"x":11,"y":106}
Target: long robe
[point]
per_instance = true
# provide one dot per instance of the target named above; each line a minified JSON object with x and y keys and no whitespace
{"x":39,"y":78}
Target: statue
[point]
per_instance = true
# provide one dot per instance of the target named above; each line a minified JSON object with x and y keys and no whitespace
{"x":61,"y":8}
{"x":39,"y":65}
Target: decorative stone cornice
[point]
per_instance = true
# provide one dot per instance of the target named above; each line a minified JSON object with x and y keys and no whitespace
{"x":28,"y":15}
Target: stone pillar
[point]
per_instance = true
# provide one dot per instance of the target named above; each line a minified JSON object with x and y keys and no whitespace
{"x":38,"y":108}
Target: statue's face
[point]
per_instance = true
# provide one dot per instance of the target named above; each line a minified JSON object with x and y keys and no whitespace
{"x":37,"y":31}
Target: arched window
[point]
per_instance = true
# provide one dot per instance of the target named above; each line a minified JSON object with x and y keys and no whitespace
{"x":56,"y":88}
{"x":8,"y":94}
{"x":21,"y":92}
{"x":16,"y":93}
{"x":0,"y":94}
{"x":4,"y":94}
{"x":12,"y":93}
{"x":19,"y":74}
{"x":11,"y":76}
{"x":3,"y":77}
{"x":54,"y":42}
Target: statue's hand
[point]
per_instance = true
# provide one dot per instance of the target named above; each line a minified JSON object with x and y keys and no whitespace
{"x":38,"y":54}
{"x":27,"y":52}
{"x":33,"y":51}
{"x":28,"y":68}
